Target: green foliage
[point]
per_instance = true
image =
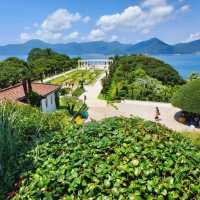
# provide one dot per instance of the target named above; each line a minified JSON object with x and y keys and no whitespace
{"x":153,"y":67}
{"x":188,"y":97}
{"x":140,"y":78}
{"x":78,"y":91}
{"x":12,"y":71}
{"x":57,"y":99}
{"x":88,"y":76}
{"x":193,"y":76}
{"x":139,"y":86}
{"x":46,"y":62}
{"x":147,"y":88}
{"x":20,"y":127}
{"x":34,"y":98}
{"x":194,"y":136}
{"x":65,"y":91}
{"x":9,"y":132}
{"x":115,"y":159}
{"x":70,"y":104}
{"x":41,"y":63}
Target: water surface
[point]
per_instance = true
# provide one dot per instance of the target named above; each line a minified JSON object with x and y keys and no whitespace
{"x":184,"y":64}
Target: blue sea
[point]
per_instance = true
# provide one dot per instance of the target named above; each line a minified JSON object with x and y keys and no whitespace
{"x":184,"y":64}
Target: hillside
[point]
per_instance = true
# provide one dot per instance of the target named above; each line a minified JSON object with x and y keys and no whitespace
{"x":152,"y":46}
{"x":140,"y":78}
{"x":186,"y":48}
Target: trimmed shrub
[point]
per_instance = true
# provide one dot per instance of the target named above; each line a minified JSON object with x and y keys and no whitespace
{"x":188,"y":97}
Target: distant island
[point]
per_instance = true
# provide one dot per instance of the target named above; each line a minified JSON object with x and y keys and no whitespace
{"x":153,"y":46}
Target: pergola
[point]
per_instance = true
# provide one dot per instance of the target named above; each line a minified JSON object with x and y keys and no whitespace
{"x":95,"y":63}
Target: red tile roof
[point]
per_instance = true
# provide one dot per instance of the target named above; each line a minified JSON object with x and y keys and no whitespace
{"x":17,"y":92}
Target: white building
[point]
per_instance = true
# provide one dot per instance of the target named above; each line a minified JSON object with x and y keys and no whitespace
{"x":47,"y":93}
{"x":48,"y":104}
{"x":94,"y":64}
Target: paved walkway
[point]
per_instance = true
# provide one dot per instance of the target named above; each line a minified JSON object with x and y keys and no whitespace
{"x":99,"y":109}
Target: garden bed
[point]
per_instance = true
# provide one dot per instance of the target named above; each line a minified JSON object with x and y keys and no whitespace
{"x":89,"y":76}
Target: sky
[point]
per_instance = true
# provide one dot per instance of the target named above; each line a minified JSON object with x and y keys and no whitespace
{"x":126,"y":21}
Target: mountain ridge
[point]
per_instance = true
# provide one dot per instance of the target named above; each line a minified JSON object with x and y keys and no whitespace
{"x":151,"y":46}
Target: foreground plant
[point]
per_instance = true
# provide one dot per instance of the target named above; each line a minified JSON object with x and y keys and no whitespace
{"x":21,"y":127}
{"x":9,"y":132}
{"x":115,"y":159}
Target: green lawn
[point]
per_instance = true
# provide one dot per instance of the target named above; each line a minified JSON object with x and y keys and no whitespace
{"x":89,"y":76}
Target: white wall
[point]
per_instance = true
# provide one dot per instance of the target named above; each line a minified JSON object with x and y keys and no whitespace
{"x":48,"y":104}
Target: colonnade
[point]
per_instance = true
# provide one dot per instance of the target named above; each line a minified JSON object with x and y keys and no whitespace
{"x":95,"y":63}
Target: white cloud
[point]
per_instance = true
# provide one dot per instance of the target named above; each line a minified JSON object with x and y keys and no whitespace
{"x":25,"y":37}
{"x":96,"y":35}
{"x":140,"y":18}
{"x":86,"y":19}
{"x":47,"y":35}
{"x":137,"y":18}
{"x":72,"y":36}
{"x":114,"y":38}
{"x":185,"y":8}
{"x":157,"y":3}
{"x":42,"y":35}
{"x":54,"y":27}
{"x":193,"y":37}
{"x":60,"y":20}
{"x":146,"y":31}
{"x":127,"y":18}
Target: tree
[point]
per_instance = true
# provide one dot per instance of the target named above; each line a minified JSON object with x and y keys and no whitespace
{"x":188,"y":97}
{"x":193,"y":76}
{"x":12,"y":71}
{"x":153,"y":67}
{"x":142,"y":78}
{"x":46,"y":62}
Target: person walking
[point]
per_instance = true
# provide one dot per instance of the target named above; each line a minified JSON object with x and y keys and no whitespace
{"x":157,"y":114}
{"x":85,"y":98}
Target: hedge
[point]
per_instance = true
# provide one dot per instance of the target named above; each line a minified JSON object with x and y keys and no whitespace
{"x":188,"y":97}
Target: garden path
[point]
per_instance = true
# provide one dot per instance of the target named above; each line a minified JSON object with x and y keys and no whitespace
{"x":100,"y":109}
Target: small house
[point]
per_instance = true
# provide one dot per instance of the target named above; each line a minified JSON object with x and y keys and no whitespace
{"x":47,"y":93}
